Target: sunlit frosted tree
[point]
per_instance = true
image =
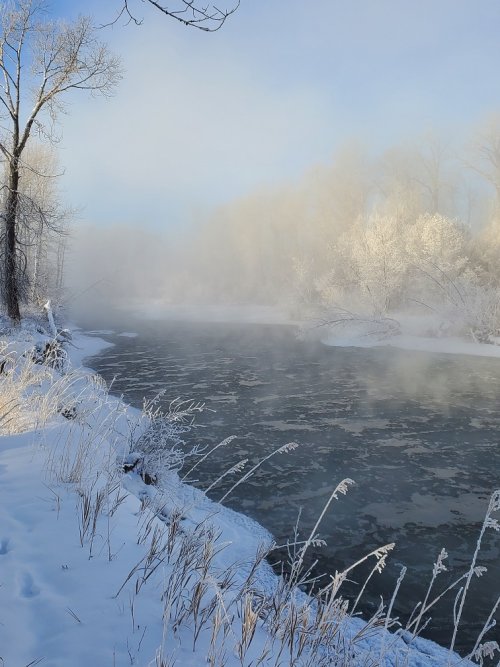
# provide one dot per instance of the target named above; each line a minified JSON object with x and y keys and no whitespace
{"x":435,"y":242}
{"x":379,"y":254}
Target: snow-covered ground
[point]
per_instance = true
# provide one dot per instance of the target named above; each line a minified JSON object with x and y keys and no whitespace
{"x":418,"y":333}
{"x":97,"y":568}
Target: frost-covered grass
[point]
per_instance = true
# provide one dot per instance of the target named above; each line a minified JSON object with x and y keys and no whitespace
{"x":100,"y":568}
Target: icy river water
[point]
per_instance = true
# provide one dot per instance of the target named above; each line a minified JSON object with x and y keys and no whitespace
{"x":419,"y":433}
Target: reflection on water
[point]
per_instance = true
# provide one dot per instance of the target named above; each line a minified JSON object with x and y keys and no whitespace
{"x":417,"y":432}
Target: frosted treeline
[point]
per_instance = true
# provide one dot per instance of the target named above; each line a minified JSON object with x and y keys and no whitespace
{"x":413,"y":229}
{"x":416,"y":230}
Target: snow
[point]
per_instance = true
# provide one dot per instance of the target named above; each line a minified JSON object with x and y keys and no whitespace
{"x":57,"y":604}
{"x":444,"y":345}
{"x":419,"y":334}
{"x":85,"y":346}
{"x":69,"y":600}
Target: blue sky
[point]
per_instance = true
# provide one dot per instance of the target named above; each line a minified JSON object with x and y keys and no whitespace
{"x":200,"y":119}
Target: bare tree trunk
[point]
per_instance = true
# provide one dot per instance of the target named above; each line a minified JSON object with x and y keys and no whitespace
{"x":11,"y":268}
{"x":37,"y":262}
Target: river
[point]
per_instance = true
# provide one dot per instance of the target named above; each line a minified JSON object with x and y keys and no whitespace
{"x":418,"y":432}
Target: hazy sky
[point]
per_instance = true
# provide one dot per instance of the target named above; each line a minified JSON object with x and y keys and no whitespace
{"x":202,"y":118}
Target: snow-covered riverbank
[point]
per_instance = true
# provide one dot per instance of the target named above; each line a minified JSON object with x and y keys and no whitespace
{"x":93,"y":559}
{"x":443,"y":345}
{"x":406,"y":332}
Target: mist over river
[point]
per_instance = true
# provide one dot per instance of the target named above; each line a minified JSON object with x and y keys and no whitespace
{"x":418,"y":432}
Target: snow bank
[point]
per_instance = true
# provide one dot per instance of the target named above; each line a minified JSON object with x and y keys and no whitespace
{"x":422,"y":334}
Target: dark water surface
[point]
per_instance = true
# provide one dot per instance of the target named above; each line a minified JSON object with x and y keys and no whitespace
{"x":418,"y":432}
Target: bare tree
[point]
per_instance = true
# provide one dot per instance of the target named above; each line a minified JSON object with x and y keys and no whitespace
{"x":434,"y":173}
{"x":41,"y":61}
{"x":485,"y":157}
{"x":193,"y":13}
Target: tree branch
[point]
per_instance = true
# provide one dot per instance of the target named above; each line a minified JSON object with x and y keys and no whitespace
{"x":190,"y":13}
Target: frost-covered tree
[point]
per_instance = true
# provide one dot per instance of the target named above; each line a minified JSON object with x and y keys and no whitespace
{"x":485,"y":154}
{"x":399,"y":195}
{"x":434,"y":239}
{"x":436,"y":172}
{"x":419,"y":178}
{"x":379,"y":254}
{"x":473,"y":308}
{"x":41,"y":62}
{"x":437,"y":251}
{"x":384,"y":265}
{"x":342,"y":191}
{"x":368,"y":268}
{"x":44,"y":222}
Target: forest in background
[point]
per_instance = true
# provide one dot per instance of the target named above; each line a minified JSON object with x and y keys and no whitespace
{"x":414,"y":229}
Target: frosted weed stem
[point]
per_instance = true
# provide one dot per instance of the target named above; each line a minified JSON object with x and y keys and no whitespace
{"x":493,"y":506}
